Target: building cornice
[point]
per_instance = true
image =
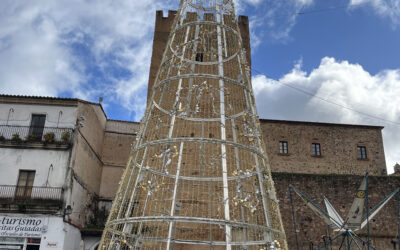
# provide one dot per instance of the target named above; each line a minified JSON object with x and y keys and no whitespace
{"x":46,"y":100}
{"x":321,"y":124}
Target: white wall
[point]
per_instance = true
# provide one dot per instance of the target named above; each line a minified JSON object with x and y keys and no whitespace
{"x":55,"y":236}
{"x":91,"y":242}
{"x":23,"y":112}
{"x":72,"y":238}
{"x":14,"y":159}
{"x":59,"y":235}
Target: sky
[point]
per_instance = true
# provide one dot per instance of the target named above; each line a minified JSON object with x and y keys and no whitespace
{"x":313,"y":60}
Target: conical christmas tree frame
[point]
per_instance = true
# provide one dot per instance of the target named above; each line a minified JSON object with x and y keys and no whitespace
{"x":198,"y":176}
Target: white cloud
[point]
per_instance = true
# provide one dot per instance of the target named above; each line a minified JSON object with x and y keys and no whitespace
{"x":305,"y":2}
{"x":253,"y":2}
{"x":384,"y":8}
{"x":273,"y":20}
{"x":31,"y":59}
{"x":53,"y":47}
{"x":137,"y":60}
{"x":340,"y":82}
{"x":71,"y":47}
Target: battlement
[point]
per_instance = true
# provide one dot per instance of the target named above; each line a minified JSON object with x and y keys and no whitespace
{"x":171,"y":14}
{"x":160,"y":18}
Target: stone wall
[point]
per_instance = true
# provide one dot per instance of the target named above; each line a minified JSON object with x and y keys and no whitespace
{"x":161,"y":32}
{"x":338,"y":147}
{"x":118,"y":137}
{"x":86,"y":162}
{"x":340,"y":190}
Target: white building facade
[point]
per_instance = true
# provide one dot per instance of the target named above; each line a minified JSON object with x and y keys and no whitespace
{"x":38,"y":231}
{"x":60,"y":162}
{"x":36,"y":142}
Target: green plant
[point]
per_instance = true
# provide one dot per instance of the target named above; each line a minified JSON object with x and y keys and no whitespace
{"x":66,"y":136}
{"x":31,"y":137}
{"x":49,"y":137}
{"x":2,"y":138}
{"x":15,"y":137}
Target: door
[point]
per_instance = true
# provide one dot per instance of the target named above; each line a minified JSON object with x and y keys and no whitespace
{"x":24,"y":184}
{"x":37,"y":126}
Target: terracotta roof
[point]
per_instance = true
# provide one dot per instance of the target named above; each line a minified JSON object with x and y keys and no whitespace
{"x":46,"y":98}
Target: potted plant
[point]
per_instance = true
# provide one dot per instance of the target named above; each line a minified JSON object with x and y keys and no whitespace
{"x":49,"y":137}
{"x":66,"y":137}
{"x":15,"y":138}
{"x":31,"y":137}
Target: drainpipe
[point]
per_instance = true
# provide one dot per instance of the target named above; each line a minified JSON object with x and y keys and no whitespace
{"x":48,"y":174}
{"x":69,"y":175}
{"x":9,"y":113}
{"x":59,"y":116}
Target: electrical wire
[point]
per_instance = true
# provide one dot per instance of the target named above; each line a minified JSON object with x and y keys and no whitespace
{"x":321,"y":10}
{"x":329,"y":9}
{"x":328,"y":101}
{"x":300,"y":12}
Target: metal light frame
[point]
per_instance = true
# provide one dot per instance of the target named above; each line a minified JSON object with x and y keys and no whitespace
{"x":198,"y":176}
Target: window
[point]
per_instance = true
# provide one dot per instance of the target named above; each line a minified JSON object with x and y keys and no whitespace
{"x":24,"y":184}
{"x":37,"y":126}
{"x":283,"y":147}
{"x":199,"y":57}
{"x":362,"y":152}
{"x":316,"y":149}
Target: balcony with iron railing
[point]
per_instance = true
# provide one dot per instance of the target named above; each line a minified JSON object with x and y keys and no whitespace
{"x":28,"y":136}
{"x":30,"y":198}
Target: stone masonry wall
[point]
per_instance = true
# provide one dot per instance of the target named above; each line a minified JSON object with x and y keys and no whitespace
{"x":118,"y":138}
{"x":338,"y":147}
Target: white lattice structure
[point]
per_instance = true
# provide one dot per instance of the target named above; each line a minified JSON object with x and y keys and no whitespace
{"x":198,"y":176}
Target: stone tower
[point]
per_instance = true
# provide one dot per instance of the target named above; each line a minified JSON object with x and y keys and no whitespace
{"x":198,"y":176}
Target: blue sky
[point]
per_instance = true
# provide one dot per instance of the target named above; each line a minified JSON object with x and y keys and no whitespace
{"x":343,"y":51}
{"x":356,"y":34}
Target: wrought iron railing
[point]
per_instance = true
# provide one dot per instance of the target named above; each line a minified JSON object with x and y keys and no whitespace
{"x":30,"y":193}
{"x":35,"y":134}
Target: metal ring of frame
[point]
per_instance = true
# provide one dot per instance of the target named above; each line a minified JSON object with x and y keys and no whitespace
{"x":187,"y":178}
{"x":204,"y":140}
{"x":197,"y":119}
{"x":189,"y":76}
{"x":194,"y":242}
{"x":200,"y":220}
{"x":193,"y":5}
{"x":206,"y":63}
{"x":200,"y":7}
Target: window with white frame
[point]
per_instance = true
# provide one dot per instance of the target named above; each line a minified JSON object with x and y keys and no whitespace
{"x":316,"y":149}
{"x":361,"y":152}
{"x":283,"y":147}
